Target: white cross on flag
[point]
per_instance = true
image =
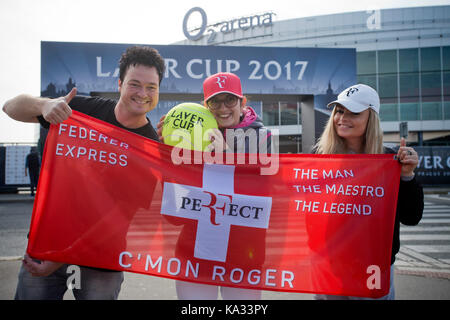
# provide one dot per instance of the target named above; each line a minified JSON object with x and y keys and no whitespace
{"x":216,"y":208}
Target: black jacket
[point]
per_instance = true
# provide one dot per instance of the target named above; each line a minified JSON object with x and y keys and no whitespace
{"x":409,"y":208}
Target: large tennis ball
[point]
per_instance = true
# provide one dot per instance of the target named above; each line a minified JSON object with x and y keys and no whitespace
{"x":186,"y":126}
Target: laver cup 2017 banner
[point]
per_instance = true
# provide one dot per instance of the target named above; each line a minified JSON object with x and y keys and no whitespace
{"x":93,"y":67}
{"x":111,"y":199}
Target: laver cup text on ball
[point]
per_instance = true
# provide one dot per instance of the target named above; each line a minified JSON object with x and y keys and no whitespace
{"x":187,"y":126}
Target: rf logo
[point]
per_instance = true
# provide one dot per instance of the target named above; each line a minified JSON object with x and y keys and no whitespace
{"x":221,"y":81}
{"x":229,"y":208}
{"x":212,"y":203}
{"x":351,"y":91}
{"x":217,"y":208}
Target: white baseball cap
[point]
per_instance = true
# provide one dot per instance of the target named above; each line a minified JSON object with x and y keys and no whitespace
{"x":358,"y":98}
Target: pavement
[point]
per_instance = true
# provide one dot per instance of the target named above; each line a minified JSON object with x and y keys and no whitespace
{"x":408,"y":285}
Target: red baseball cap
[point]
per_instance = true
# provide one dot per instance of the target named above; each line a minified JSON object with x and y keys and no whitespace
{"x":222,"y":82}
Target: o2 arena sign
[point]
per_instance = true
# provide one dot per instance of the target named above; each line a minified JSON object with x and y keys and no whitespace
{"x":243,"y":23}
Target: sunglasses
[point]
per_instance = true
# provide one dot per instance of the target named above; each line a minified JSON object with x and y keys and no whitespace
{"x":230,"y":101}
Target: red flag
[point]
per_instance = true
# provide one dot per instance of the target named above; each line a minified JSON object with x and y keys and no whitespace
{"x":108,"y":198}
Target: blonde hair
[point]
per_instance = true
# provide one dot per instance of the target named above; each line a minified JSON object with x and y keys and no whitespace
{"x":330,"y":143}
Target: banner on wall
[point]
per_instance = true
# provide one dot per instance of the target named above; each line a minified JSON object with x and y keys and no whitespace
{"x":108,"y":198}
{"x":434,"y":165}
{"x":93,"y":67}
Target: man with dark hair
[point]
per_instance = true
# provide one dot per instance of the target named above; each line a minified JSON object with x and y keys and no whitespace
{"x":141,"y":72}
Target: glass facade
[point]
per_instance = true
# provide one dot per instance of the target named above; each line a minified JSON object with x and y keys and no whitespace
{"x":446,"y":81}
{"x":413,"y":84}
{"x":271,"y":114}
{"x":280,"y":112}
{"x":288,"y":113}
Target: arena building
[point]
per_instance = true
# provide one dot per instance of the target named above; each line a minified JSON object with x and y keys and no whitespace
{"x":402,"y":53}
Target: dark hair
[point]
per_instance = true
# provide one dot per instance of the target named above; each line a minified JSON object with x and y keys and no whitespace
{"x":139,"y":55}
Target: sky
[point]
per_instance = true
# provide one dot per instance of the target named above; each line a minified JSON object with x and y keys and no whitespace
{"x":25,"y":23}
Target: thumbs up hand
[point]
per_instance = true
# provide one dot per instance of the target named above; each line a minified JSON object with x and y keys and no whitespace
{"x":408,"y":158}
{"x":57,"y":110}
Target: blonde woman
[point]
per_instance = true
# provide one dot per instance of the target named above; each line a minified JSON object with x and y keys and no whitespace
{"x":354,"y":127}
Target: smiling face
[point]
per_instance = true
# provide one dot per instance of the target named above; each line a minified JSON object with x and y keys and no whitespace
{"x":139,"y":90}
{"x":226,"y":108}
{"x":350,"y":126}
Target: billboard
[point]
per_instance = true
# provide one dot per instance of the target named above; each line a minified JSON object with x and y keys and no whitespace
{"x":12,"y":168}
{"x":434,"y":165}
{"x":93,"y":67}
